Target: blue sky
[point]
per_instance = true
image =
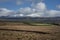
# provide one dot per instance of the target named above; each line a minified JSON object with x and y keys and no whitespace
{"x":16,"y":5}
{"x":51,"y":4}
{"x":12,"y":4}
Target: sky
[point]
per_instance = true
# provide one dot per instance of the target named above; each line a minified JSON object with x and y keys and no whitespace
{"x":32,"y":8}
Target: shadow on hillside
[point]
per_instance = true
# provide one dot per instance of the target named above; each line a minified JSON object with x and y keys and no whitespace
{"x":56,"y":24}
{"x":26,"y":31}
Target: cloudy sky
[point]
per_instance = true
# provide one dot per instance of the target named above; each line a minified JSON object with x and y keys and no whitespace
{"x":32,"y":8}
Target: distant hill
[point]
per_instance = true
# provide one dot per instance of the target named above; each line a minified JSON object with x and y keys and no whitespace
{"x":33,"y":19}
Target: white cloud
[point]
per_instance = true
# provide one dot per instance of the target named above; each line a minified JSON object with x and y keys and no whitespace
{"x":38,"y":14}
{"x":53,"y":13}
{"x":25,"y":10}
{"x":40,"y":10}
{"x":40,"y":6}
{"x":58,"y":6}
{"x":37,"y":10}
{"x":5,"y":12}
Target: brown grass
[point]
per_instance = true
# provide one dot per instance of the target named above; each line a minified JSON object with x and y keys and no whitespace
{"x":31,"y":32}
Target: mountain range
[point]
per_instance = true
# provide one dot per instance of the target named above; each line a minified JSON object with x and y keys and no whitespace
{"x":32,"y":19}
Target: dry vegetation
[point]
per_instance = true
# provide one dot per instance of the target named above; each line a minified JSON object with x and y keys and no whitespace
{"x":20,"y":31}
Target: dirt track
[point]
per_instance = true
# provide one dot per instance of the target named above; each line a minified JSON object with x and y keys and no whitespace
{"x":32,"y":28}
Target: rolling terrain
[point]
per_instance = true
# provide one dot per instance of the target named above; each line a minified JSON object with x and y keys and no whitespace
{"x":21,"y":31}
